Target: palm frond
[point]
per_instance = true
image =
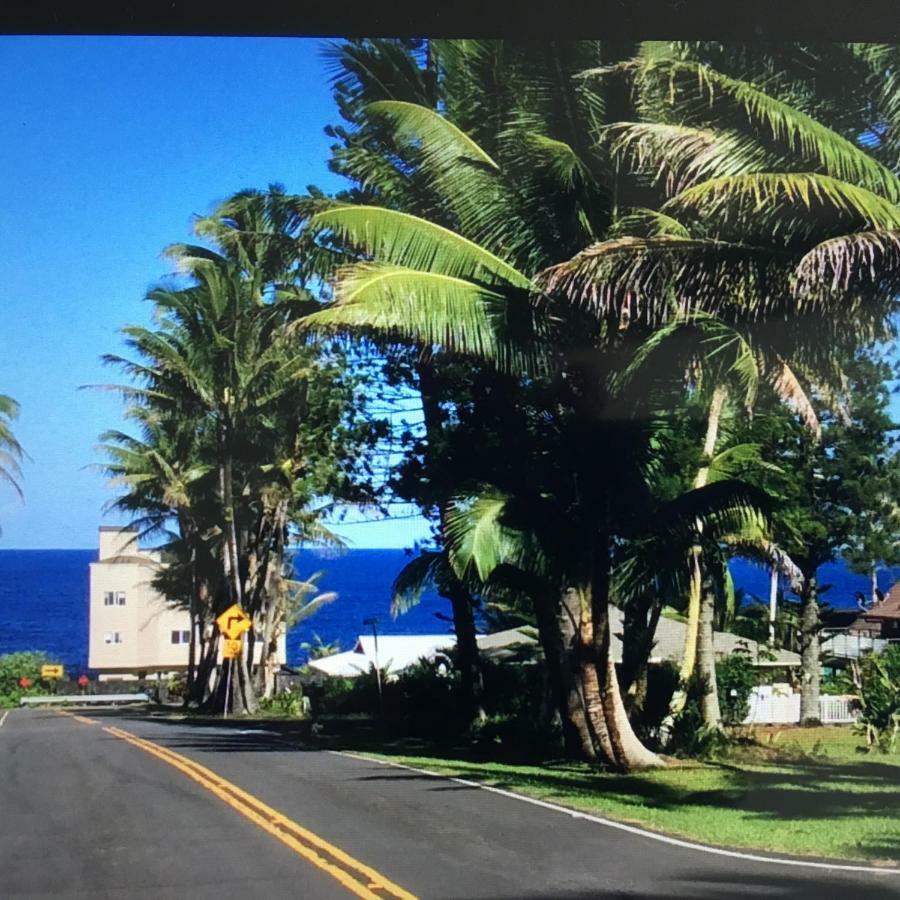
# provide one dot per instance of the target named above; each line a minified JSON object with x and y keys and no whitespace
{"x":679,"y":156}
{"x":865,"y":258}
{"x":698,"y":91}
{"x":651,"y":279}
{"x":786,"y":198}
{"x":401,"y":239}
{"x":789,"y":389}
{"x":422,"y":308}
{"x":418,"y":575}
{"x":441,"y":141}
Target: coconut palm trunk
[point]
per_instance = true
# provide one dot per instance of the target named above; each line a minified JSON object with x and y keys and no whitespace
{"x":467,"y":654}
{"x":637,"y":644}
{"x":243,"y":698}
{"x":699,"y":598}
{"x":810,"y":654}
{"x":706,"y":656}
{"x":627,"y":750}
{"x":556,"y":630}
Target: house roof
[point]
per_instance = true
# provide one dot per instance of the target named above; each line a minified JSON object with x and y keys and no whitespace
{"x":889,"y":608}
{"x":399,"y":651}
{"x":669,"y":643}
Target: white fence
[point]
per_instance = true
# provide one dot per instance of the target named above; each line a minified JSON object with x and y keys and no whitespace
{"x":777,"y":704}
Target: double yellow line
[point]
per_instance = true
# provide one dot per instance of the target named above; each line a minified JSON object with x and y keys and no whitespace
{"x":355,"y":876}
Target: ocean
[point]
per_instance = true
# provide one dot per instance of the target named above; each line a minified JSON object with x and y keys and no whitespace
{"x":44,"y":599}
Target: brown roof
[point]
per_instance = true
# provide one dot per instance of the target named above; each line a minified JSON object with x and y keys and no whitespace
{"x":889,"y":608}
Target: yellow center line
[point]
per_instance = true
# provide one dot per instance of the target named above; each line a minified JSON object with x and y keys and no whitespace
{"x":357,"y":877}
{"x":83,"y":719}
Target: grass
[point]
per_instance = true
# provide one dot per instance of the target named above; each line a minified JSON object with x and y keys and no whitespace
{"x":799,"y":791}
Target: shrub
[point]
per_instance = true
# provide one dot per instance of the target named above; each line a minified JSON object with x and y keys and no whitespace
{"x":878,"y":697}
{"x":288,"y":703}
{"x":14,"y":666}
{"x":735,"y":678}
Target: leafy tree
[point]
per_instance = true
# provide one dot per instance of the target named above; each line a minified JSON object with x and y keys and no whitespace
{"x":261,"y":431}
{"x":826,"y":506}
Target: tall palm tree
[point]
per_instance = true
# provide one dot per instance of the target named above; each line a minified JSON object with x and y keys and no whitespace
{"x":738,"y":236}
{"x":11,"y":452}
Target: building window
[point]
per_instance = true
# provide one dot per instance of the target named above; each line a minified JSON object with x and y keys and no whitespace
{"x":114,"y":598}
{"x":181,"y":637}
{"x":112,"y":637}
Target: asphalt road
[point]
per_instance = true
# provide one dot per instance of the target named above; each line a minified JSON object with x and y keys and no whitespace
{"x":156,"y":809}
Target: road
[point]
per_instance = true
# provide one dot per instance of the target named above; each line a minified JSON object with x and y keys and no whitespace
{"x":110,"y":805}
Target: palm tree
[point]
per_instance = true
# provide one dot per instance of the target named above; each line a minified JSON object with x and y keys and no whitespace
{"x":738,"y":236}
{"x":11,"y":452}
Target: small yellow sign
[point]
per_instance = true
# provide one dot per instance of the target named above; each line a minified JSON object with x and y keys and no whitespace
{"x":234,"y":622}
{"x":231,"y":649}
{"x":51,"y":671}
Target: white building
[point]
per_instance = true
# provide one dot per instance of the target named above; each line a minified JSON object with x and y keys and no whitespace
{"x":133,"y":631}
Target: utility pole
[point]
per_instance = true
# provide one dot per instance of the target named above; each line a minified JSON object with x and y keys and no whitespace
{"x":374,"y":623}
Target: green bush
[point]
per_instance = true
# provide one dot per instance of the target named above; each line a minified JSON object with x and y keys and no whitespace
{"x":13,"y":666}
{"x":735,"y":678}
{"x":289,"y":704}
{"x":878,"y":693}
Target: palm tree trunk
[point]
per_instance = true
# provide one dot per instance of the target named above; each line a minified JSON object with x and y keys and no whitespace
{"x":695,"y":600}
{"x":810,"y":675}
{"x":637,"y":645}
{"x":773,"y":603}
{"x":628,"y":752}
{"x":706,"y":659}
{"x":467,"y":654}
{"x":557,"y":635}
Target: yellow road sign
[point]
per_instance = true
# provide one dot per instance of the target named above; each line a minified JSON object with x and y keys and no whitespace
{"x":51,"y":671}
{"x":234,"y":622}
{"x":231,"y":649}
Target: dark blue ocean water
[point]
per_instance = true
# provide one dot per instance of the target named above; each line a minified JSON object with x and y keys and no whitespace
{"x":44,"y":598}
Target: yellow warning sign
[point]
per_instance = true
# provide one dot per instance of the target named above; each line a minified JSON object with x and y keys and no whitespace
{"x":234,"y":622}
{"x":51,"y":671}
{"x":231,"y":649}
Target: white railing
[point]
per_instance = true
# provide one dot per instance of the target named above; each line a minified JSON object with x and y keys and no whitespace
{"x":83,"y":699}
{"x":773,"y":704}
{"x":778,"y":704}
{"x":836,"y":710}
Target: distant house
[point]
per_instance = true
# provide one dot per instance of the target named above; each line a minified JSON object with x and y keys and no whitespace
{"x":134,"y":632}
{"x":882,"y":620}
{"x":397,"y":652}
{"x":669,"y":644}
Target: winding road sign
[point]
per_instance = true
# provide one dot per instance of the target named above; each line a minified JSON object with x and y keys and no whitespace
{"x":234,"y":622}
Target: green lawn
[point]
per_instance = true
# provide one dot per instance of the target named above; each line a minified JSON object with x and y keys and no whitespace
{"x":805,"y":792}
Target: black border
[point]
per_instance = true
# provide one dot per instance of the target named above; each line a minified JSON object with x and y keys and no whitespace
{"x":769,"y":20}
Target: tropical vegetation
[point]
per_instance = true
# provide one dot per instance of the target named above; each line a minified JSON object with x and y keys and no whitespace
{"x":640,"y":295}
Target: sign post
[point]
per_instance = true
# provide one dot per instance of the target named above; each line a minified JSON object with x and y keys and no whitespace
{"x":232,"y":625}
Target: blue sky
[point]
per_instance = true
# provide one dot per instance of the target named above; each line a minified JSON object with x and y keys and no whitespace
{"x":108,"y":146}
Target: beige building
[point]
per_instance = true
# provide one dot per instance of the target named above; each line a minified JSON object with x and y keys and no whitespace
{"x":133,"y":631}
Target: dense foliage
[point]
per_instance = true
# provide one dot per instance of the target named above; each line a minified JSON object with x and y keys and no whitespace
{"x":582,"y":265}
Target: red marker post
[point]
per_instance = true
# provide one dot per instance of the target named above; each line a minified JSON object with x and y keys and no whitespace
{"x":83,"y":682}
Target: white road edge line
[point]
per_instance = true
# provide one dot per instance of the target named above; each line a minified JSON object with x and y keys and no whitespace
{"x":631,"y":829}
{"x":3,"y":718}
